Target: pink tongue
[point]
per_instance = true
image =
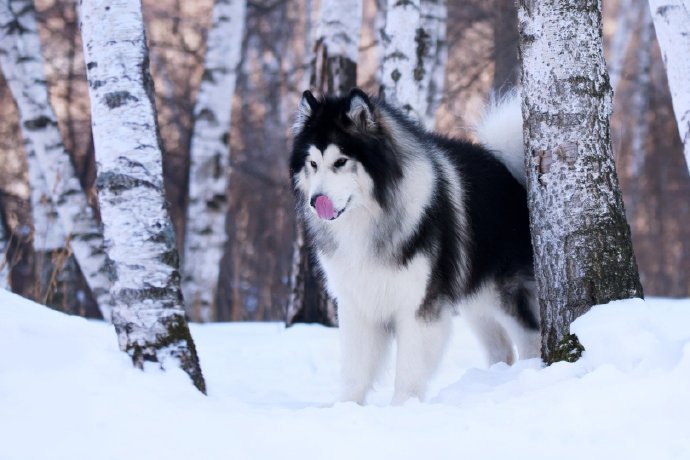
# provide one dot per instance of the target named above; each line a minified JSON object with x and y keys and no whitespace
{"x":324,"y":207}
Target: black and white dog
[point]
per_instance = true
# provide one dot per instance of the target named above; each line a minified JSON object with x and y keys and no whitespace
{"x":409,"y":227}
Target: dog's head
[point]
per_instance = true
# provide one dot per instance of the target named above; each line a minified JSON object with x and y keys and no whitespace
{"x":339,"y":159}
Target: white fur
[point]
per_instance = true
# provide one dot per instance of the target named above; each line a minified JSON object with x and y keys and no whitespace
{"x":500,"y":130}
{"x":504,"y":339}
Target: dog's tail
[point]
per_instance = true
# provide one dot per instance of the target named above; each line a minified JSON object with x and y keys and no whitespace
{"x":500,"y":131}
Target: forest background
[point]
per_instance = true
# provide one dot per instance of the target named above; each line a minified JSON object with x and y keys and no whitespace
{"x":276,"y":57}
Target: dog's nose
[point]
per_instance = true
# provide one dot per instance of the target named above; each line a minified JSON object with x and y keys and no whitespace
{"x":313,"y":200}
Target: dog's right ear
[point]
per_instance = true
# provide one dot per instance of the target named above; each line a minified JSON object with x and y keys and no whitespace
{"x":361,"y":111}
{"x":307,"y":106}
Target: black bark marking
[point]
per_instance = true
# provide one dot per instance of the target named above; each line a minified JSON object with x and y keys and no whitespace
{"x":118,"y":98}
{"x":118,"y":182}
{"x":39,"y":123}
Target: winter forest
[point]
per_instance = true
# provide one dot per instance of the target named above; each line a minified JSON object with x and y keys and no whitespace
{"x":205,"y":107}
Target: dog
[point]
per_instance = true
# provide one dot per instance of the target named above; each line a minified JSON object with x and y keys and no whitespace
{"x":410,"y":227}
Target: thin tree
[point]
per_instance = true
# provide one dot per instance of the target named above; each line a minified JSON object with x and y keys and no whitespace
{"x":672,"y":25}
{"x":432,"y":57}
{"x":333,"y":71}
{"x":148,"y":314}
{"x":205,"y":234}
{"x":22,"y":63}
{"x":505,"y":52}
{"x":583,"y":252}
{"x":49,"y":240}
{"x":4,"y":257}
{"x":399,"y":37}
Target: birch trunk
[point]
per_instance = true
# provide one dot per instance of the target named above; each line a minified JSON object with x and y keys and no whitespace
{"x":414,"y":57}
{"x":640,"y":97}
{"x":205,"y":234}
{"x":583,"y":253}
{"x":672,"y":24}
{"x":334,"y":69}
{"x":49,"y":240}
{"x":22,"y":63}
{"x":4,"y":256}
{"x":401,"y":39}
{"x":148,"y":315}
{"x":432,"y":47}
{"x":505,"y":54}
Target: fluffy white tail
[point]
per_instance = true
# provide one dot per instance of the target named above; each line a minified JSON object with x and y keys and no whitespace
{"x":500,"y":130}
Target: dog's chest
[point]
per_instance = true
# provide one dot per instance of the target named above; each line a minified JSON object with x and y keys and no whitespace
{"x":377,"y":288}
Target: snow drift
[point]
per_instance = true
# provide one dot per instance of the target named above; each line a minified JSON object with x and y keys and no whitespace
{"x":66,"y":391}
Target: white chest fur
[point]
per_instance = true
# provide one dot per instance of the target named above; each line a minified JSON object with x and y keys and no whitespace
{"x":377,"y":288}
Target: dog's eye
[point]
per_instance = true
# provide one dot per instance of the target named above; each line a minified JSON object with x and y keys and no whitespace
{"x":313,"y":164}
{"x":340,"y":162}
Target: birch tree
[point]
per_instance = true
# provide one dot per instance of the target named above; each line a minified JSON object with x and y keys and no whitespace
{"x":49,"y":239}
{"x":22,"y":63}
{"x":4,"y":257}
{"x":432,"y":57}
{"x":583,"y":253}
{"x":398,"y":84}
{"x":414,"y":56}
{"x":148,"y":314}
{"x":205,"y":234}
{"x":672,"y":24}
{"x":333,"y":71}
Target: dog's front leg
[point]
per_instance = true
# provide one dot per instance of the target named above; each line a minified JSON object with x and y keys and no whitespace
{"x":421,"y":343}
{"x":364,"y":347}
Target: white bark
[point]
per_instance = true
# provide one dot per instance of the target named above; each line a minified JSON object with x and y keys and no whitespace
{"x":583,"y":253}
{"x":398,"y":83}
{"x":336,"y":48}
{"x":48,"y":234}
{"x":4,"y":257}
{"x":640,"y":97}
{"x":434,"y":57}
{"x":139,"y":238}
{"x":625,"y":19}
{"x":205,"y":234}
{"x":415,"y":56}
{"x":22,"y":63}
{"x":672,"y":25}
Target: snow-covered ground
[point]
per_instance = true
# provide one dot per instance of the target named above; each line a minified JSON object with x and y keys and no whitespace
{"x":66,"y":392}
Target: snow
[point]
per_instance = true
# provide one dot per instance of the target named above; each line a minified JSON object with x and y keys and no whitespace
{"x":66,"y":391}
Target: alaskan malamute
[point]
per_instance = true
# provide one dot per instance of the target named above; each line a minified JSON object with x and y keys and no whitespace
{"x":409,"y":227}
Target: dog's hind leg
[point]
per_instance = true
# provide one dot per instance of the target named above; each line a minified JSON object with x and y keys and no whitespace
{"x":364,"y":348}
{"x":493,"y":337}
{"x":421,"y":343}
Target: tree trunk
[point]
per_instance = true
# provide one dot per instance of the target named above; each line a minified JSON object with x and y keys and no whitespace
{"x":434,"y":57}
{"x":22,"y":63}
{"x":334,"y":71}
{"x":505,"y":54}
{"x":403,"y":50}
{"x":4,"y":256}
{"x":582,"y":248}
{"x":672,"y":25}
{"x":205,"y":234}
{"x":148,"y":314}
{"x":640,"y":97}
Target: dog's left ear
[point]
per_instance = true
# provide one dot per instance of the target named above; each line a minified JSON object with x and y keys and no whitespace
{"x":361,"y":112}
{"x":307,"y":106}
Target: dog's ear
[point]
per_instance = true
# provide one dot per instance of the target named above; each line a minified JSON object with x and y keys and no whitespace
{"x":361,"y":111}
{"x":307,"y":106}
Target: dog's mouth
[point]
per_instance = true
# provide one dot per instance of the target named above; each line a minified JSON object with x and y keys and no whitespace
{"x":325,"y":209}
